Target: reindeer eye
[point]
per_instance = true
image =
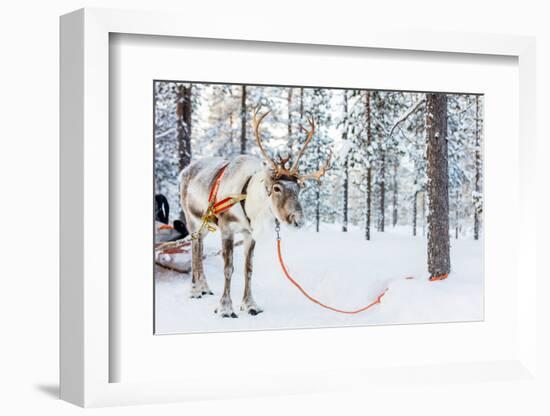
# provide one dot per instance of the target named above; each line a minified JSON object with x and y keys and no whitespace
{"x":276,"y":188}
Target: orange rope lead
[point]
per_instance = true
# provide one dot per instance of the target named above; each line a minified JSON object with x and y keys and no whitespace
{"x":348,"y":312}
{"x":311,"y":298}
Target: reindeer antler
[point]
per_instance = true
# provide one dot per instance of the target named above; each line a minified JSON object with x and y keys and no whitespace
{"x":280,"y":167}
{"x":309,"y":136}
{"x":317,"y":175}
{"x":256,"y":123}
{"x":283,"y":161}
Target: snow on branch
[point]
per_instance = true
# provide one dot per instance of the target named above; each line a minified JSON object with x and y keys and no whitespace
{"x":407,"y":114}
{"x":165,"y":133}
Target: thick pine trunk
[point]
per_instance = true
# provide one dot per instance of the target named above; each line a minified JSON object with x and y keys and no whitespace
{"x":478,"y":172}
{"x":439,"y":262}
{"x":369,"y":169}
{"x":183,"y":125}
{"x":243,"y":120}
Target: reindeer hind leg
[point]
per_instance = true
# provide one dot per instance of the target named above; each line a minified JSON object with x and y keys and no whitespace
{"x":199,"y":285}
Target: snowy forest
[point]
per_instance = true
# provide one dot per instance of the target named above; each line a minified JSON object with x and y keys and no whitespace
{"x":390,"y":172}
{"x":378,"y":178}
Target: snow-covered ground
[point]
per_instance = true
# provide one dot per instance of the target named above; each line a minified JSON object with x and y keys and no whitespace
{"x":340,"y":269}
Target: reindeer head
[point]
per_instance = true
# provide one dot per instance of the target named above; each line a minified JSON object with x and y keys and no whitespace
{"x":283,"y":184}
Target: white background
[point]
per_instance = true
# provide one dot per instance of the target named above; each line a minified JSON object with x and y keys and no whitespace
{"x":29,"y":170}
{"x":140,"y":60}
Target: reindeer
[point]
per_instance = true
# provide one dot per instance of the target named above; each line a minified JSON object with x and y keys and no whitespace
{"x":271,"y":194}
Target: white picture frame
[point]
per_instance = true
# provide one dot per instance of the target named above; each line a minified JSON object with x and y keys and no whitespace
{"x":85,"y":332}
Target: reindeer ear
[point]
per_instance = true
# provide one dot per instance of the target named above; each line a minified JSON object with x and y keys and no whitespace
{"x":268,"y":183}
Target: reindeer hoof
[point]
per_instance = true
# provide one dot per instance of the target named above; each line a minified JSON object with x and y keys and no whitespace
{"x":250,"y":307}
{"x":196,"y":291}
{"x":225,"y":308}
{"x":207,"y":292}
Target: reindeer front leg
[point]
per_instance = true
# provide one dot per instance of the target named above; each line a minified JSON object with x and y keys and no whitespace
{"x":225,"y":309}
{"x":248,"y":305}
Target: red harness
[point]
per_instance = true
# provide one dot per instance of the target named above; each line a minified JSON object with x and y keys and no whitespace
{"x":217,"y":207}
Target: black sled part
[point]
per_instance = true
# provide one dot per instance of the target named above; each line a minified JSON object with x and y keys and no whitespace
{"x":162,"y":209}
{"x":180,"y":227}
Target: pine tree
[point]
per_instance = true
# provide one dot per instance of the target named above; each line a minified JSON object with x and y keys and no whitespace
{"x":220,"y":137}
{"x":388,"y":106}
{"x":345,"y":201}
{"x":183,"y":114}
{"x":289,"y":110}
{"x":478,"y":203}
{"x":173,"y":104}
{"x":439,"y":262}
{"x":394,"y":192}
{"x":368,"y":162}
{"x":316,"y":196}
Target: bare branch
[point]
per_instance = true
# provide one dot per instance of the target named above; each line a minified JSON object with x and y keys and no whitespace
{"x":407,"y":114}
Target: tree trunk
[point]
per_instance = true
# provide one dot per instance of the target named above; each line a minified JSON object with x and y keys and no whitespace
{"x":301,"y":104}
{"x":300,"y":121}
{"x":317,"y":208}
{"x":289,"y":109}
{"x":415,"y":210}
{"x":394,"y":195}
{"x":457,"y":196}
{"x":231,"y":133}
{"x":243,"y":120}
{"x":346,"y":168}
{"x":317,"y":197}
{"x":382,"y":185}
{"x":183,"y":125}
{"x":478,"y":172}
{"x":346,"y":193}
{"x":290,"y":141}
{"x":439,"y":262}
{"x":369,"y":169}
